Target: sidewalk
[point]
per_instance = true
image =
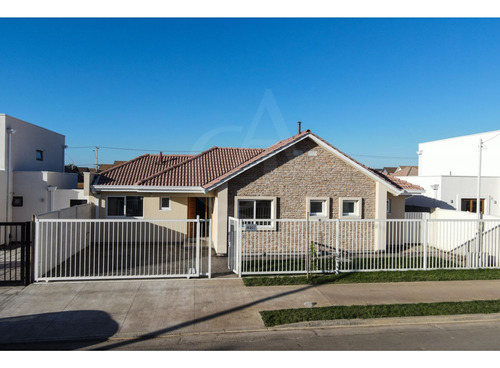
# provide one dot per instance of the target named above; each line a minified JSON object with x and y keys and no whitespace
{"x":151,"y":308}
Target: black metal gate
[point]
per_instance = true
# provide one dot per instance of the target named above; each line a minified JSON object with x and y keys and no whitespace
{"x":15,"y":253}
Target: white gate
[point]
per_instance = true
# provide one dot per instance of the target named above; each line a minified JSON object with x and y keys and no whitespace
{"x":118,"y":249}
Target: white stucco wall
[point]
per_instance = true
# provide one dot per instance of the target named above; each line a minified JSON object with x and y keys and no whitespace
{"x":29,"y":138}
{"x":26,"y":140}
{"x":452,"y":189}
{"x":32,"y":186}
{"x":459,"y":156}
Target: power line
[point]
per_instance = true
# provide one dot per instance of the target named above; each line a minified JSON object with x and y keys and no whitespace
{"x":372,"y":156}
{"x":126,"y":149}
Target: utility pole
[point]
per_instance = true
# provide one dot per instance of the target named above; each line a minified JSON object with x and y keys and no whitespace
{"x":96,"y":158}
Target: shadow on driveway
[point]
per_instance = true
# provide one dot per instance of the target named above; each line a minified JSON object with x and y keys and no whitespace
{"x":66,"y":330}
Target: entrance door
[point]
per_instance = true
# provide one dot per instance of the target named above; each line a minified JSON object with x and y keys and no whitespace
{"x":199,"y":206}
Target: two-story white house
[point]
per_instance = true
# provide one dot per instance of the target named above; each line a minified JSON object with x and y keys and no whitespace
{"x":448,"y":170}
{"x":32,"y":177}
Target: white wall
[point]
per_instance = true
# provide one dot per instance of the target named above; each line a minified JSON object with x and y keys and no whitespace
{"x":459,"y":156}
{"x":453,"y":188}
{"x":29,"y":138}
{"x":32,"y":186}
{"x":62,"y":197}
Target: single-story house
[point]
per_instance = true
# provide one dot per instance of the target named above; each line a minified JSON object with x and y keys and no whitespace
{"x":299,"y":175}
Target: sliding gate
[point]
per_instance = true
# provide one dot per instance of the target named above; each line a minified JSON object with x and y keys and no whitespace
{"x":122,"y":249}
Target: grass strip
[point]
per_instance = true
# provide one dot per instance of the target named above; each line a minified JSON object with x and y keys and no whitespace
{"x":286,"y":316}
{"x":375,"y":277}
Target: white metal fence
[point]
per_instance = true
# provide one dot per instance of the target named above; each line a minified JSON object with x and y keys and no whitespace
{"x":115,"y":249}
{"x":298,"y":246}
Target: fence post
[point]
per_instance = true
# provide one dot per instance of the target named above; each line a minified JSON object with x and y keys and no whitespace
{"x":307,"y":244}
{"x":36,"y":252}
{"x":209,"y":249}
{"x":239,"y":248}
{"x":337,"y":245}
{"x":426,"y":240}
{"x":198,"y":244}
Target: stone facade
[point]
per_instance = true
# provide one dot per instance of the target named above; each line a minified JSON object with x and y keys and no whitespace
{"x":304,"y":170}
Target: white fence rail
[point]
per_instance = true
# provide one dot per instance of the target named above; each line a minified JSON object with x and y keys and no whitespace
{"x":114,"y":249}
{"x":300,"y":246}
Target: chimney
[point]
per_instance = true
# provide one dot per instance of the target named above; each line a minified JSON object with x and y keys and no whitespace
{"x":161,"y":157}
{"x":299,"y":123}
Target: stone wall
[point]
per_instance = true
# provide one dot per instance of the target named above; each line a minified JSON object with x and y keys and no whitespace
{"x":291,"y":177}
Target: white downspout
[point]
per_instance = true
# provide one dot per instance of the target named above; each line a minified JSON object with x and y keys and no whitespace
{"x":10,"y":132}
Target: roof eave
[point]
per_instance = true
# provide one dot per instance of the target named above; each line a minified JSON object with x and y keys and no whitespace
{"x":148,"y":189}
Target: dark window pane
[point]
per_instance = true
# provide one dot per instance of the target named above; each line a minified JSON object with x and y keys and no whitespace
{"x":115,"y":206}
{"x":134,"y":206}
{"x":77,"y":202}
{"x":316,"y":207}
{"x":263,"y":209}
{"x":165,"y":203}
{"x":348,"y":207}
{"x":245,"y":209}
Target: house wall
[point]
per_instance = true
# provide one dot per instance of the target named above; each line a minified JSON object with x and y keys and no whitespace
{"x":178,"y":205}
{"x":33,"y":187}
{"x":24,"y":142}
{"x":27,"y":139}
{"x":292,"y":178}
{"x":459,"y":156}
{"x":452,"y":189}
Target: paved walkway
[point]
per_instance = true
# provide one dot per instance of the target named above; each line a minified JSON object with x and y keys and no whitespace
{"x":149,"y":308}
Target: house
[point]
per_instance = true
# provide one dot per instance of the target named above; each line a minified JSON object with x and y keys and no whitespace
{"x":448,"y":171}
{"x":32,"y":177}
{"x":299,"y":175}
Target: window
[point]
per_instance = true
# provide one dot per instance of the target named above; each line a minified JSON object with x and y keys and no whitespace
{"x":256,"y":209}
{"x":318,"y":207}
{"x":17,"y":201}
{"x":350,"y":207}
{"x":77,"y":202}
{"x":388,"y":206}
{"x":470,"y":205}
{"x":165,"y":203}
{"x":39,"y":155}
{"x":129,"y":206}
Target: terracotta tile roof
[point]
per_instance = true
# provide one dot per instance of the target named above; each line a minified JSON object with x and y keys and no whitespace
{"x":203,"y":168}
{"x":210,"y":167}
{"x":129,"y":172}
{"x":406,"y":171}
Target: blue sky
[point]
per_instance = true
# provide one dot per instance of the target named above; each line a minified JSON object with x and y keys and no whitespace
{"x":374,"y":88}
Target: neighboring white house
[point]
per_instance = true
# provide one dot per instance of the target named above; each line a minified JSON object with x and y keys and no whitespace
{"x":448,"y":171}
{"x":32,"y":176}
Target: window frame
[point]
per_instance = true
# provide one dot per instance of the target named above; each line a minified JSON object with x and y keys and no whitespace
{"x":389,"y":206}
{"x":169,"y":208}
{"x":273,"y":200}
{"x":124,"y":216}
{"x":358,"y":203}
{"x":325,"y":214}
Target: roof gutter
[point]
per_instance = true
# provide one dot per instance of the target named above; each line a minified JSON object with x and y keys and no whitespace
{"x":148,"y":189}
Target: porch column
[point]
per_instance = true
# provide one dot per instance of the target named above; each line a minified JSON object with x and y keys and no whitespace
{"x":220,"y":220}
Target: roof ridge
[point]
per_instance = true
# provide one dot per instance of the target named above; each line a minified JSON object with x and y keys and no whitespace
{"x":175,"y":166}
{"x":123,"y":164}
